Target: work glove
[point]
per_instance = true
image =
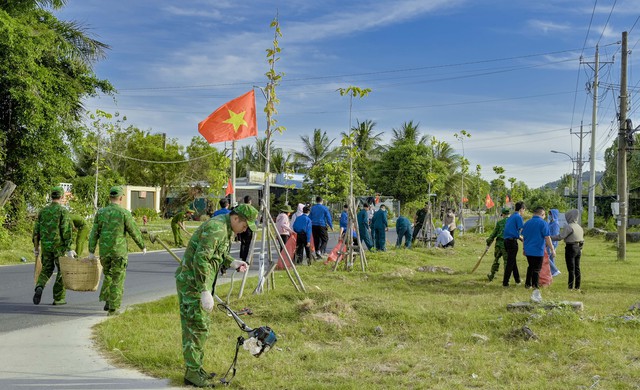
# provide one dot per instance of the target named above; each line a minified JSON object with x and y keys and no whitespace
{"x":206,"y":301}
{"x":36,"y":252}
{"x":239,"y":265}
{"x":71,"y":253}
{"x":92,"y":256}
{"x":144,"y":251}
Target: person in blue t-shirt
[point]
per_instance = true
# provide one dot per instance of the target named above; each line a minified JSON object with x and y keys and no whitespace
{"x":511,"y":235}
{"x":554,"y":230}
{"x":302,"y":227}
{"x":344,"y":219}
{"x":224,"y":208}
{"x":320,"y":220}
{"x":535,"y":233}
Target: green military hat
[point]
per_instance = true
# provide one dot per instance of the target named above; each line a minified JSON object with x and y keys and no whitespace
{"x":57,"y":192}
{"x":249,"y":213}
{"x":286,"y":209}
{"x":505,"y":211}
{"x":116,"y":191}
{"x":189,"y":211}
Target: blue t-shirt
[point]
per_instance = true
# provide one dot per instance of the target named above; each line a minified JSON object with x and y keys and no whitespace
{"x":534,"y":232}
{"x":344,"y":219}
{"x":320,"y":215}
{"x":303,"y":224}
{"x":513,"y":226}
{"x":221,"y":212}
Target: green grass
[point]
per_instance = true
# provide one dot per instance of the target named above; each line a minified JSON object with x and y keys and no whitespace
{"x":395,"y":327}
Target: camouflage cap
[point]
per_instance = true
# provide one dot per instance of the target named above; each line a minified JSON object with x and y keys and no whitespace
{"x":505,"y":211}
{"x":249,"y":213}
{"x":116,"y":191}
{"x":57,"y":192}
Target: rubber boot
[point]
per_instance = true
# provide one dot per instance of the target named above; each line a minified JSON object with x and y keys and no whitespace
{"x":37,"y":296}
{"x":196,"y":379}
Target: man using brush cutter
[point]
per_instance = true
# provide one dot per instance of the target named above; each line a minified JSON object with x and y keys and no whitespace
{"x":207,"y":251}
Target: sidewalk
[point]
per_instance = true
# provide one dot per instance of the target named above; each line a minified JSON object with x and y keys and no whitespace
{"x":62,"y":356}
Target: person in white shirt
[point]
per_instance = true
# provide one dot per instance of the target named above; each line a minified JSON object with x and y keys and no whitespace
{"x":444,"y":239}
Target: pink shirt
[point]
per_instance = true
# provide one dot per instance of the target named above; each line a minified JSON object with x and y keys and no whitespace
{"x":282,"y":224}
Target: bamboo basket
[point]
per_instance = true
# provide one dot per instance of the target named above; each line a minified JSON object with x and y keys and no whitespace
{"x":80,"y":274}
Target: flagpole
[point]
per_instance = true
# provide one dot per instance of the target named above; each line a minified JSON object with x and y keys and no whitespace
{"x":233,"y":173}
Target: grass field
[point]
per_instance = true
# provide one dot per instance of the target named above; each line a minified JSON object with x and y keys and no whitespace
{"x":395,"y":327}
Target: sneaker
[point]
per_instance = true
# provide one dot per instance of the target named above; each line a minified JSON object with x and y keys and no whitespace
{"x":536,"y":296}
{"x":556,"y":273}
{"x":37,"y":296}
{"x":114,"y":312}
{"x":59,"y":302}
{"x":106,"y":306}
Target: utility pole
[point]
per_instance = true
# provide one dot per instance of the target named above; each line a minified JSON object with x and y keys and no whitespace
{"x":592,"y":152}
{"x":579,"y":171}
{"x":622,"y":155}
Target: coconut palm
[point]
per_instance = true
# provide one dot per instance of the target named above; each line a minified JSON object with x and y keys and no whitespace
{"x":365,"y":141}
{"x":315,"y":150}
{"x":409,"y":133}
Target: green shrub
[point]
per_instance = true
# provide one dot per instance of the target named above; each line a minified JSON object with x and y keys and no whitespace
{"x":151,"y":214}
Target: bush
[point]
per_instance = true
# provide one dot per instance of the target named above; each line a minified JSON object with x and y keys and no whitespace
{"x":150,"y":213}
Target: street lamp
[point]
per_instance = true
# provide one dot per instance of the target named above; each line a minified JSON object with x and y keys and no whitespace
{"x":577,"y":170}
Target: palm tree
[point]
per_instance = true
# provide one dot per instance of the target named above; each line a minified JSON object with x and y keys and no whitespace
{"x":365,"y":141}
{"x":315,"y":150}
{"x":409,"y":133}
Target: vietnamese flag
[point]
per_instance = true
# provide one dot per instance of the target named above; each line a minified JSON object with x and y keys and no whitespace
{"x":232,"y":121}
{"x":488,"y":202}
{"x":229,"y":190}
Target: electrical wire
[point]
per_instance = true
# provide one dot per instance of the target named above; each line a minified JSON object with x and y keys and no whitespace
{"x":160,"y":162}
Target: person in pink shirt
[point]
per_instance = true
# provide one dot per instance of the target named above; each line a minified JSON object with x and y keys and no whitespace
{"x":282,"y":223}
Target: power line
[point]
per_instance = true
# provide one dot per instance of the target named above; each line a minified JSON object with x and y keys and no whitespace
{"x":607,"y":23}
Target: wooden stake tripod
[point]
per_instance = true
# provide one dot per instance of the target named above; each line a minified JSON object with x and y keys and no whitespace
{"x":427,"y":230}
{"x":270,"y":236}
{"x":352,"y":221}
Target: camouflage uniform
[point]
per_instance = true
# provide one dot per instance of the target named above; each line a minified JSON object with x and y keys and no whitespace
{"x":83,"y":233}
{"x":53,"y":233}
{"x":175,"y":227}
{"x":499,"y":250}
{"x":110,"y":226}
{"x":207,"y":251}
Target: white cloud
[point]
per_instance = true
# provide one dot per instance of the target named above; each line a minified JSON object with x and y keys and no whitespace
{"x":547,"y":26}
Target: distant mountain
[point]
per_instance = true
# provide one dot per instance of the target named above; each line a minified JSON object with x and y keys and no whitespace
{"x":585,"y":180}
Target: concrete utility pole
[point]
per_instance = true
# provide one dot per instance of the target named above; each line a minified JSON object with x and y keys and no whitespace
{"x":592,"y":152}
{"x":622,"y":155}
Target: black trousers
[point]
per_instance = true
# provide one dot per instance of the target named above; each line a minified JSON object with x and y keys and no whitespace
{"x":416,"y":230}
{"x":511,"y":245}
{"x":533,"y":271}
{"x":301,"y":247}
{"x":320,"y":238}
{"x":572,"y":254}
{"x":245,"y":243}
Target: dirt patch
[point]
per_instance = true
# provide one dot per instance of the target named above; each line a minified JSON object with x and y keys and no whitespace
{"x":329,"y":318}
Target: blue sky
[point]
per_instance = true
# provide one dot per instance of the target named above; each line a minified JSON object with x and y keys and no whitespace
{"x":506,"y":71}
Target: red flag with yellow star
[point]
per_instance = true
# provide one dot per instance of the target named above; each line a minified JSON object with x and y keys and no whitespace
{"x":234,"y":120}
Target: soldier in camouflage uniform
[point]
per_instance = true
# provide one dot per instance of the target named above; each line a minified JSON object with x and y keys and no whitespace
{"x":177,"y":223}
{"x":110,"y":226}
{"x":207,"y":251}
{"x":499,"y":250}
{"x":82,"y":228}
{"x":52,"y":234}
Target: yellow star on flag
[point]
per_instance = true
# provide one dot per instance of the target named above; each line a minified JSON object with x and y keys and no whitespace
{"x":236,"y":120}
